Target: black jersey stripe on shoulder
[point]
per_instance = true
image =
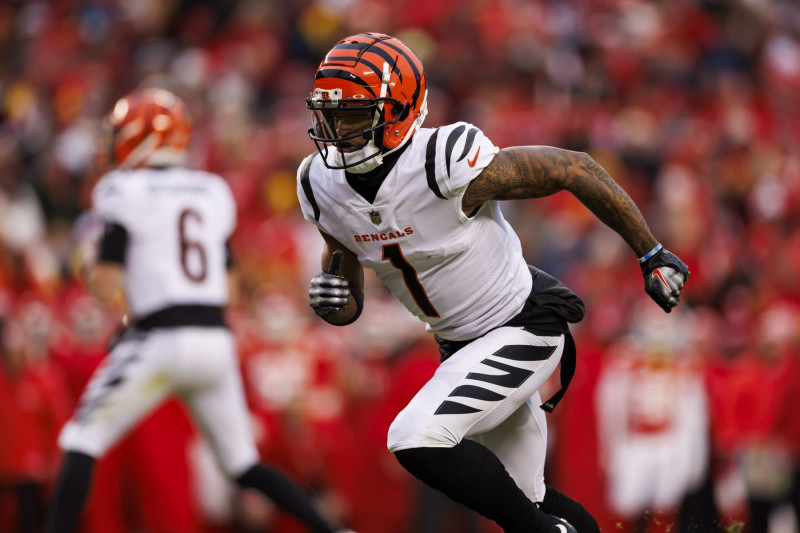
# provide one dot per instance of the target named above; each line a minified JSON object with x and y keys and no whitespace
{"x":451,"y":143}
{"x":430,"y":165}
{"x":468,"y":144}
{"x":305,"y":182}
{"x":113,"y":243}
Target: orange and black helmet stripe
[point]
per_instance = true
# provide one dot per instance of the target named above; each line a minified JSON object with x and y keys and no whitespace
{"x":352,"y":73}
{"x":354,"y":52}
{"x":345,"y":75}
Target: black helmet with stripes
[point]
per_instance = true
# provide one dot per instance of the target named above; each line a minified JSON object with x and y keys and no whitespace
{"x":377,"y":77}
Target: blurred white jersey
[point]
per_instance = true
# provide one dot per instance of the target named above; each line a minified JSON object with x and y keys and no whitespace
{"x":178,"y":222}
{"x":462,"y":275}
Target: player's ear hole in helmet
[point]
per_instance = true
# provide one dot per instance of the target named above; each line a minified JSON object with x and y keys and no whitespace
{"x":377,"y":78}
{"x":147,"y":128}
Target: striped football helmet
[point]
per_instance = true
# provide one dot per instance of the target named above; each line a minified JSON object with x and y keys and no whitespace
{"x":368,"y":99}
{"x":150,"y":127}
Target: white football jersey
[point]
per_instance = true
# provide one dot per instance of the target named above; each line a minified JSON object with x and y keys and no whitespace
{"x":178,"y":222}
{"x":462,"y":275}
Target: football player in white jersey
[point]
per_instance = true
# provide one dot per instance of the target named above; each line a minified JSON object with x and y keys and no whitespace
{"x":165,"y":248}
{"x":420,"y":207}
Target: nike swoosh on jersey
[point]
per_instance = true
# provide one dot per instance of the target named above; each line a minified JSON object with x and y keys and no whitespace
{"x":471,"y":162}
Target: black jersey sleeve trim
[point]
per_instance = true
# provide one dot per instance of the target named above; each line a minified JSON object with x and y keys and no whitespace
{"x":451,"y":143}
{"x":113,"y":243}
{"x":305,"y":182}
{"x":468,"y":144}
{"x":430,"y":165}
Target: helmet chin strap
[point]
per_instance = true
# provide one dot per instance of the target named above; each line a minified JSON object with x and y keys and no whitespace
{"x":368,"y":150}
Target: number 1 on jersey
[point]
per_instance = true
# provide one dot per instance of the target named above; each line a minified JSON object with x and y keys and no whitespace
{"x":392,"y":253}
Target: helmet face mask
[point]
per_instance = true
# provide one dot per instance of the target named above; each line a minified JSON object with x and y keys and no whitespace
{"x":349,"y":126}
{"x":369,"y":98}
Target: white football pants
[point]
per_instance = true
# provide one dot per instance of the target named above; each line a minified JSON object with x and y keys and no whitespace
{"x":197,"y":363}
{"x":488,"y":392}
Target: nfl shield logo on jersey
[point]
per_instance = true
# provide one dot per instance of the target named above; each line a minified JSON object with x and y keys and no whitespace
{"x":375,"y":217}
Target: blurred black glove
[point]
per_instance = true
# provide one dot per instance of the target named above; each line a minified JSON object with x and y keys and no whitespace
{"x":664,"y":277}
{"x":329,"y":292}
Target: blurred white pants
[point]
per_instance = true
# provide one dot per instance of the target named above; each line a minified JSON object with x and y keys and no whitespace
{"x":197,"y":363}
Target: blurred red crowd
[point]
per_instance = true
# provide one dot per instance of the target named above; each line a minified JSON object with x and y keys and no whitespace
{"x":689,"y":104}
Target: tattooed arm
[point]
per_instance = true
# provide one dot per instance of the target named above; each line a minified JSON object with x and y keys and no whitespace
{"x":522,"y":172}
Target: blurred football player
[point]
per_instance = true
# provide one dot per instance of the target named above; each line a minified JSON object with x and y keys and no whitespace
{"x":420,"y":206}
{"x":164,"y":252}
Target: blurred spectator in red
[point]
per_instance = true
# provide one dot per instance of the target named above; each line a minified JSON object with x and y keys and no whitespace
{"x":33,"y":406}
{"x":753,"y":412}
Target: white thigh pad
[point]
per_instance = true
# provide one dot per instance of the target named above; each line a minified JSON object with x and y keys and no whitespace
{"x":477,"y":388}
{"x":128,"y":385}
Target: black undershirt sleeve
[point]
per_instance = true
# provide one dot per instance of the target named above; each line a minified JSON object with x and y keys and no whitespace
{"x":113,"y":244}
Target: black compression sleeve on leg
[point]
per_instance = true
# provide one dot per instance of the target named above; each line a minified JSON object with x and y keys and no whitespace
{"x":473,"y":476}
{"x":29,"y":507}
{"x":71,"y":492}
{"x":558,"y":504}
{"x":286,"y":494}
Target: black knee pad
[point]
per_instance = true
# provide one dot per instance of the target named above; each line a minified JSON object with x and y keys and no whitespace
{"x":426,"y":463}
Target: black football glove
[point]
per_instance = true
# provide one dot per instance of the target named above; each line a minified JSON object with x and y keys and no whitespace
{"x":664,"y":276}
{"x":329,"y":292}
